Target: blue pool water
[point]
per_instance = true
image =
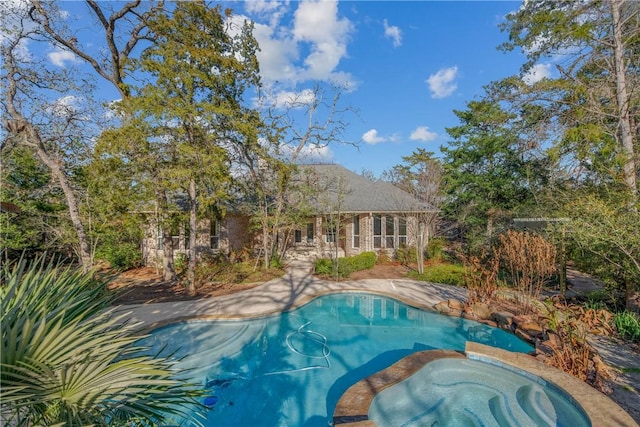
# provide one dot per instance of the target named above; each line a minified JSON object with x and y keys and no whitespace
{"x":469,"y":393}
{"x":291,"y":369}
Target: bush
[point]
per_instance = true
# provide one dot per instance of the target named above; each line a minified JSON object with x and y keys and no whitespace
{"x":435,"y":249}
{"x":628,"y":325}
{"x":68,"y":361}
{"x":121,"y":256}
{"x":324,"y":266}
{"x":181,"y":263}
{"x":346,"y":265}
{"x":448,"y":274}
{"x":406,"y":255}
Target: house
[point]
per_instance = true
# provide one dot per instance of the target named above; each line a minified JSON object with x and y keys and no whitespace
{"x":353,"y":214}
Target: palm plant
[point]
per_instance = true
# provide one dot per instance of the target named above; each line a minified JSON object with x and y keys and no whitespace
{"x":66,"y":359}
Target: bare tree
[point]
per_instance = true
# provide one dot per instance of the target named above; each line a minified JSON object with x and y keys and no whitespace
{"x":420,"y":176}
{"x":32,"y":110}
{"x":297,"y":128}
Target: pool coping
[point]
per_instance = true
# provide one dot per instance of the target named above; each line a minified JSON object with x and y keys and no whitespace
{"x":353,"y":406}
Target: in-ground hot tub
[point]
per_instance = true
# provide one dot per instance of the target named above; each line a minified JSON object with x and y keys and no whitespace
{"x":462,"y":392}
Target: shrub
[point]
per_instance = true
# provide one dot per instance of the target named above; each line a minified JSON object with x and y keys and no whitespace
{"x":448,"y":274}
{"x":481,"y":277}
{"x":346,"y":265}
{"x":121,"y":256}
{"x":181,"y":263}
{"x":324,"y":266}
{"x":435,"y":249}
{"x":627,"y":324}
{"x":67,"y":361}
{"x":529,"y":259}
{"x":406,"y":255}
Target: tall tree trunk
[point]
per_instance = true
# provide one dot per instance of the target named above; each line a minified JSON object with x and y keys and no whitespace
{"x":193,"y":218}
{"x":168,"y":270}
{"x":624,"y":116}
{"x":420,"y":248}
{"x":34,"y":140}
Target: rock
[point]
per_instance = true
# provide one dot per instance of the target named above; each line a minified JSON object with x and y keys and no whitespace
{"x":532,"y":329}
{"x":442,"y":307}
{"x":481,"y":310}
{"x":524,"y":335}
{"x":488,"y":323}
{"x":503,"y":318}
{"x":455,"y":304}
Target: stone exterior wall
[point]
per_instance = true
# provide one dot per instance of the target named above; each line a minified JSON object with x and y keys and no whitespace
{"x":235,"y":235}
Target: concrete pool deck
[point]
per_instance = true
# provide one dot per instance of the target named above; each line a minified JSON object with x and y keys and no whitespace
{"x":298,"y":286}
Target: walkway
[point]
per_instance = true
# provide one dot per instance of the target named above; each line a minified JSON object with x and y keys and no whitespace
{"x":295,"y":288}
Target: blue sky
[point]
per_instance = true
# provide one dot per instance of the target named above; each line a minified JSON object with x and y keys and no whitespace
{"x":407,"y":65}
{"x":410,"y":64}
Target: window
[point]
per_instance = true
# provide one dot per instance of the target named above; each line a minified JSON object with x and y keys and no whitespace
{"x":215,"y":234}
{"x":297,"y":236}
{"x":402,"y":231}
{"x":310,"y":228}
{"x":330,"y":232}
{"x":377,"y":231}
{"x":356,"y":231}
{"x":389,"y":232}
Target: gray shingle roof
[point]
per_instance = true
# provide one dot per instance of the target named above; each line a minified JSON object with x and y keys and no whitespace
{"x":360,"y":194}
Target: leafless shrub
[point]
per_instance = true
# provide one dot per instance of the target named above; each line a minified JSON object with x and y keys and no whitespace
{"x":529,"y":259}
{"x":481,"y":277}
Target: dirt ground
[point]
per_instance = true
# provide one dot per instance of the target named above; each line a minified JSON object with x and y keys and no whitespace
{"x":145,"y":285}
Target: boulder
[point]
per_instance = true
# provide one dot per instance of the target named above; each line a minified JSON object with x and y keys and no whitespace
{"x":481,"y":310}
{"x":456,"y":304}
{"x":503,"y":318}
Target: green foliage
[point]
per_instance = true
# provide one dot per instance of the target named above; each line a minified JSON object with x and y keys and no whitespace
{"x":627,"y":324}
{"x":181,"y":262}
{"x":346,"y":265}
{"x":406,"y":254}
{"x":275,"y":262}
{"x":435,"y":249}
{"x":448,"y":274}
{"x":603,"y":235}
{"x":123,"y":256}
{"x":42,"y":223}
{"x":220,"y":270}
{"x":324,"y":266}
{"x":67,"y":360}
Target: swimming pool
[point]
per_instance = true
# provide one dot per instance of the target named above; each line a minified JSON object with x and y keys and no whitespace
{"x":291,"y":369}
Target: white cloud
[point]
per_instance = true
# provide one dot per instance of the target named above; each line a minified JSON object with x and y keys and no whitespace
{"x":289,"y":99}
{"x":442,"y":83}
{"x":66,"y":106}
{"x":309,"y":48}
{"x":317,"y":23}
{"x":272,"y":10}
{"x":277,"y":54}
{"x":422,"y":133}
{"x":393,"y":32}
{"x":310,"y":153}
{"x":372,"y":137}
{"x":537,"y":73}
{"x":59,"y":57}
